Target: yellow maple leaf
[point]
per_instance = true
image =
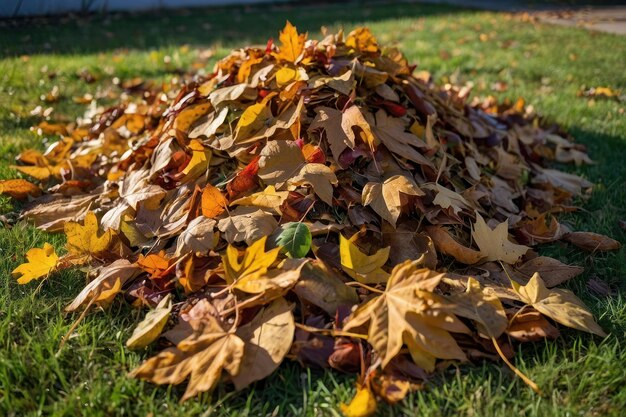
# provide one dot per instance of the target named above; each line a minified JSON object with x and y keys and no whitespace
{"x":291,"y":44}
{"x":254,"y":263}
{"x":86,"y":240}
{"x":40,"y":262}
{"x":364,"y":268}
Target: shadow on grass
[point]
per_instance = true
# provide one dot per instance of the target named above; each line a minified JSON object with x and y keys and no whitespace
{"x":236,"y":25}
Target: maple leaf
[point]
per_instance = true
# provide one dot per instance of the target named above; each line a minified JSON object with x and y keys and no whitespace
{"x":292,"y":44}
{"x":482,"y":306}
{"x":40,"y":263}
{"x":254,"y":264}
{"x":362,"y":40}
{"x":560,"y":305}
{"x":409,"y":312}
{"x":318,"y":176}
{"x":386,"y":198}
{"x":86,"y":241}
{"x":494,"y":244}
{"x":202,"y":356}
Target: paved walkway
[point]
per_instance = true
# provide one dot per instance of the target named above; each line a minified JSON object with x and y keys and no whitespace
{"x":610,"y":19}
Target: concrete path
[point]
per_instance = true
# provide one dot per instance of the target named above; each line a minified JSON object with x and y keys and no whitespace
{"x":610,"y":19}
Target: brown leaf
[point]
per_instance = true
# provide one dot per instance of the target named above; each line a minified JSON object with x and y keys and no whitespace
{"x":592,"y":242}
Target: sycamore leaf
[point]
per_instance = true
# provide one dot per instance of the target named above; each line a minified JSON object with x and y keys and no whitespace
{"x":363,"y":404}
{"x":364,"y":268}
{"x":199,"y":237}
{"x":494,"y":244}
{"x":87,"y":240}
{"x":19,"y":189}
{"x":323,"y":287}
{"x":389,"y":198}
{"x":40,"y":262}
{"x":213,"y":202}
{"x":202,"y":356}
{"x":409,"y":311}
{"x":267,"y":338}
{"x":560,"y":305}
{"x":291,"y":44}
{"x":318,"y":176}
{"x":152,"y":325}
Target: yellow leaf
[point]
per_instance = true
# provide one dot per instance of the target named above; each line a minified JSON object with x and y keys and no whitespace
{"x":40,"y":262}
{"x":362,"y":40}
{"x":199,"y":162}
{"x":560,"y":305}
{"x":286,"y":75}
{"x":254,"y":263}
{"x":152,"y":325}
{"x":364,"y":268}
{"x":291,"y":44}
{"x":187,"y":117}
{"x":495,"y":244}
{"x":267,"y":199}
{"x":362,"y":405}
{"x":86,"y":239}
{"x":253,"y":119}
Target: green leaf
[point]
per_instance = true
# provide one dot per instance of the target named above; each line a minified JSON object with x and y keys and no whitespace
{"x":295,"y":239}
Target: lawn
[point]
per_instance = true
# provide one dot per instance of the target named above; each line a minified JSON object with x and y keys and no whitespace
{"x":547,"y":65}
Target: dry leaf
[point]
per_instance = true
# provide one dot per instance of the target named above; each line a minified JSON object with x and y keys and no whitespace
{"x":389,"y":198}
{"x":494,"y":244}
{"x":151,"y":326}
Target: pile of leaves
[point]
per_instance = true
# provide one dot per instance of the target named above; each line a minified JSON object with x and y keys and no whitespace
{"x":312,"y":200}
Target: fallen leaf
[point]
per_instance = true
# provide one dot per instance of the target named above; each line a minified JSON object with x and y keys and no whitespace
{"x":560,"y":305}
{"x":39,"y":264}
{"x":494,"y":244}
{"x":389,"y":198}
{"x":592,"y":242}
{"x":150,"y":328}
{"x":19,"y":189}
{"x":364,"y":268}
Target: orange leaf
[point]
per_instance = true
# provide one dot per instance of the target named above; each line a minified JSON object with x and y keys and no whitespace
{"x":19,"y":189}
{"x":213,"y":202}
{"x":292,"y":44}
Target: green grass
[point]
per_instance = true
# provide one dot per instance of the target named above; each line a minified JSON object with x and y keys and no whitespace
{"x":580,"y":374}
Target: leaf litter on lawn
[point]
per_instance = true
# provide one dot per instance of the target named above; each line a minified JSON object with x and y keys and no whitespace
{"x":313,"y":200}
